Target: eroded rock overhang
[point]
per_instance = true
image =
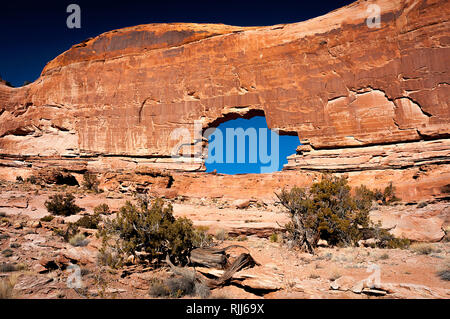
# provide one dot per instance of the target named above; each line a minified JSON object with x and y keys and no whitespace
{"x":336,"y":82}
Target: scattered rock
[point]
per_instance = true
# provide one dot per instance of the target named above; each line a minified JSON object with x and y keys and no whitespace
{"x":18,"y":225}
{"x":322,"y":243}
{"x":31,"y":282}
{"x":343,"y":283}
{"x":35,"y":224}
{"x":241,"y":203}
{"x":374,"y":292}
{"x":39,"y":268}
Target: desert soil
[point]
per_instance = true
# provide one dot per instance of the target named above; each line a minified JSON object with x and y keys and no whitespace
{"x":284,"y":272}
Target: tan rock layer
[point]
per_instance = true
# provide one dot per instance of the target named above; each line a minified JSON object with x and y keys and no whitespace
{"x":333,"y":80}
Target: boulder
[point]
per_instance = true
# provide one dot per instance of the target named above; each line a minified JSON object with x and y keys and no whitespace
{"x":241,"y":203}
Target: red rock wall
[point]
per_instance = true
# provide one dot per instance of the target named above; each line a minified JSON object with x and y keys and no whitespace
{"x":332,"y":79}
{"x":343,"y":87}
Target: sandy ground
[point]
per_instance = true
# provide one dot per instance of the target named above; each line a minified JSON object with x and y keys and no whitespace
{"x":283,"y":272}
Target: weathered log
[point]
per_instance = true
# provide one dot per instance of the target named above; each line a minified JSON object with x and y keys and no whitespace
{"x":244,"y":260}
{"x":211,"y":257}
{"x":208,"y":257}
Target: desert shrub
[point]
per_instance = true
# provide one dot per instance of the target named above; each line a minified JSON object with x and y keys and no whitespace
{"x":90,"y":182}
{"x":6,"y":287}
{"x":384,"y":239}
{"x":149,"y":233}
{"x":158,"y":288}
{"x":447,"y":234}
{"x":177,"y":287}
{"x":328,"y":211}
{"x":221,"y":234}
{"x":78,"y":240}
{"x":47,"y":218}
{"x":389,"y":196}
{"x":424,"y":249}
{"x":32,"y":179}
{"x":390,"y":241}
{"x":313,"y":276}
{"x":7,"y":267}
{"x":10,"y":267}
{"x":201,"y":237}
{"x":444,"y":274}
{"x":64,"y":205}
{"x":384,"y":256}
{"x":7,"y":252}
{"x":110,"y":256}
{"x":102,"y":209}
{"x":89,"y":221}
{"x":70,"y":231}
{"x":19,"y":179}
{"x":364,"y":196}
{"x":273,"y":238}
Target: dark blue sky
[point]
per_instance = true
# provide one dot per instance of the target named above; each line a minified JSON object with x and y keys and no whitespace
{"x":34,"y":32}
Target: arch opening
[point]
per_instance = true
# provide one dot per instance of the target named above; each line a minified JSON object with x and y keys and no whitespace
{"x":243,"y":144}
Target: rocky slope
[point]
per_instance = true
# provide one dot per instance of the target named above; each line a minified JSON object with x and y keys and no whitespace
{"x":38,"y":260}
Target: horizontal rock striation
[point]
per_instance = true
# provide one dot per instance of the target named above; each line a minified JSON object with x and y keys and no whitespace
{"x":360,"y":99}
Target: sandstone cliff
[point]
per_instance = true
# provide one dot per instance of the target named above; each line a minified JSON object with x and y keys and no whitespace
{"x":359,"y":98}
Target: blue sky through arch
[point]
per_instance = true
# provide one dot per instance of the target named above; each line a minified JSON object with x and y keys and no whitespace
{"x":287,"y":146}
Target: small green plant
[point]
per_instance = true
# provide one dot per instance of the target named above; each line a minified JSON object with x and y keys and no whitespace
{"x":424,"y":249}
{"x":221,"y":234}
{"x":201,"y":237}
{"x":274,"y":238}
{"x":158,"y":288}
{"x":64,"y":205}
{"x":32,"y":179}
{"x":6,"y":287}
{"x":89,"y":221}
{"x":78,"y":240}
{"x":444,"y":274}
{"x":10,"y":267}
{"x":90,"y":182}
{"x":7,"y":252}
{"x":242,"y":238}
{"x":314,"y":276}
{"x":384,"y":256}
{"x":47,"y":218}
{"x":102,"y":209}
{"x":177,"y":287}
{"x":70,"y":231}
